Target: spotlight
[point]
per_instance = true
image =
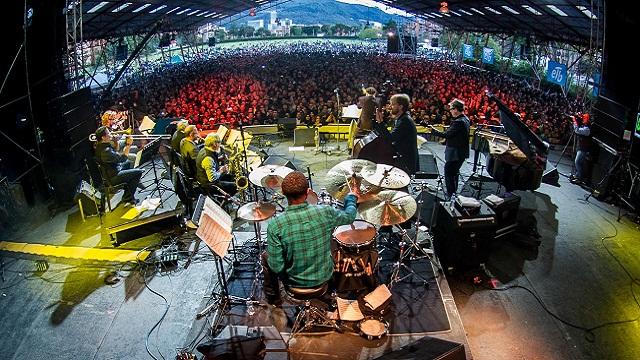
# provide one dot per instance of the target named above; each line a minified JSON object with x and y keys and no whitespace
{"x":391,"y":34}
{"x":444,"y":7}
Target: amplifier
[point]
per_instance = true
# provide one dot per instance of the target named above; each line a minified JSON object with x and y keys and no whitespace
{"x":304,"y":137}
{"x":88,"y":199}
{"x":427,"y":166}
{"x":461,"y":241}
{"x":506,"y":214}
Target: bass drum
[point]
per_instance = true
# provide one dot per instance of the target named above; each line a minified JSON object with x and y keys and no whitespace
{"x":355,"y":257}
{"x":374,"y":147}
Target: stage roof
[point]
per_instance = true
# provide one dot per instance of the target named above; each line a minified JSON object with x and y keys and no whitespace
{"x":575,"y":22}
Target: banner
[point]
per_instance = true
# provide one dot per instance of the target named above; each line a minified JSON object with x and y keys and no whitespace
{"x":557,"y":73}
{"x":467,"y":52}
{"x":487,"y":55}
{"x":596,"y":84}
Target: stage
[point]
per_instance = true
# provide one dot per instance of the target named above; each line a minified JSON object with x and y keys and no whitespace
{"x":78,"y":304}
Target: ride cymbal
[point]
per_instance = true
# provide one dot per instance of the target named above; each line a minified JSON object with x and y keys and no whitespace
{"x":269,"y":176}
{"x":256,"y":211}
{"x":388,"y":207}
{"x":347,"y":175}
{"x":386,"y":176}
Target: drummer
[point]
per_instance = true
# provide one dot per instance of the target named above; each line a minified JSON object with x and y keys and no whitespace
{"x":299,"y":241}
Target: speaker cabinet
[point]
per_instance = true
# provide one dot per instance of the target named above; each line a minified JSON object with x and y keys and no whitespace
{"x":428,"y":348}
{"x":304,"y":137}
{"x":428,"y":167}
{"x":88,"y":199}
{"x":393,"y":44}
{"x":279,"y":160}
{"x":212,"y":41}
{"x":287,"y":125}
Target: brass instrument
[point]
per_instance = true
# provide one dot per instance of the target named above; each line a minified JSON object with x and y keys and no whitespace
{"x":128,"y":132}
{"x":235,"y":166}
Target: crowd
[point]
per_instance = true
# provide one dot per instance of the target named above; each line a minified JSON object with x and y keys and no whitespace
{"x":311,"y":82}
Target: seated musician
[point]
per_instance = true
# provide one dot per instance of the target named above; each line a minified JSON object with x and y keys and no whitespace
{"x":299,"y":241}
{"x":210,"y":172}
{"x":189,"y":149}
{"x":116,"y":166}
{"x":178,"y":135}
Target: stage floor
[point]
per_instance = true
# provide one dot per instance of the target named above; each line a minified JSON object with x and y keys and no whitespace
{"x":89,"y":308}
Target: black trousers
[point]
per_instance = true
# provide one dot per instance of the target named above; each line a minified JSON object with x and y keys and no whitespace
{"x":130,"y":177}
{"x":452,"y":175}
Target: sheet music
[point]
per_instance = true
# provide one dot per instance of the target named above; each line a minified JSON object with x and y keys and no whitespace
{"x":147,"y":125}
{"x":217,"y":213}
{"x":377,"y":297}
{"x":349,"y":310}
{"x":351,"y":111}
{"x":138,"y":158}
{"x":214,"y":235}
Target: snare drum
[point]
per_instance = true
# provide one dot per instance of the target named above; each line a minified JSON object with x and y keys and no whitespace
{"x":373,"y":328}
{"x":355,"y":256}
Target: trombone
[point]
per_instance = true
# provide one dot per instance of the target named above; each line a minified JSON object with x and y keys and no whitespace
{"x":128,"y":134}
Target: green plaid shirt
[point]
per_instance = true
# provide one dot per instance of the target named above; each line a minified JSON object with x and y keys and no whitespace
{"x":299,"y":242}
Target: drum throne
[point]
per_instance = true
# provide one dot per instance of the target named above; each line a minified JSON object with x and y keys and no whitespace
{"x":312,"y":304}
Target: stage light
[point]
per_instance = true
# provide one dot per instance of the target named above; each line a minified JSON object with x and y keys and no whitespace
{"x":391,"y":34}
{"x":444,"y":7}
{"x":252,"y":12}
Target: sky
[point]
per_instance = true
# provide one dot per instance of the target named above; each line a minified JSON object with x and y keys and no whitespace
{"x":383,"y":7}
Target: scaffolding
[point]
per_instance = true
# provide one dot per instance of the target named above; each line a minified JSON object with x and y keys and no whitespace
{"x":74,"y":60}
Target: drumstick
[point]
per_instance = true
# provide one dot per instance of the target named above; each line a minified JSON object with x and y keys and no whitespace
{"x":362,"y":263}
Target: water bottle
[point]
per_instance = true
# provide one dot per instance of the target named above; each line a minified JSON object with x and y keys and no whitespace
{"x":452,"y":200}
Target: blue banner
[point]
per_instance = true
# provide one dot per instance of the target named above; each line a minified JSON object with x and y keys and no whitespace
{"x":557,"y":73}
{"x":487,"y":55}
{"x":596,"y":84}
{"x":467,"y":52}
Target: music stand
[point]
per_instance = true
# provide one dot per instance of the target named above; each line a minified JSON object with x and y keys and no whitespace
{"x":214,"y":228}
{"x":146,"y":154}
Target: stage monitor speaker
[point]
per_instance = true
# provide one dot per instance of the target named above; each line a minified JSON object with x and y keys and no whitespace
{"x":428,"y":348}
{"x":602,"y":163}
{"x":609,"y":121}
{"x":428,"y":200}
{"x":279,"y":160}
{"x":212,"y":41}
{"x":287,"y":125}
{"x":88,"y":198}
{"x":393,"y":44}
{"x":428,"y":167}
{"x":304,"y":137}
{"x":142,"y":227}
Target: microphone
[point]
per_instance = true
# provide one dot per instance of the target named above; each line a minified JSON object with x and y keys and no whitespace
{"x":336,"y":90}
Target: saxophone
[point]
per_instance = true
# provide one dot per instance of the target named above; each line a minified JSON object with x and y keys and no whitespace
{"x":235,"y":167}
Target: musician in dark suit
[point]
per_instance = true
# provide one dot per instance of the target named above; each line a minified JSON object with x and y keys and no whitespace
{"x":457,"y":144}
{"x":368,"y":105}
{"x":404,"y":136}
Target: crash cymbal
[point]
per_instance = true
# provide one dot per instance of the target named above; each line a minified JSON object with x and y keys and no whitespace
{"x":269,"y":176}
{"x":348,"y":171}
{"x":388,"y":207}
{"x":386,"y":176}
{"x":256,"y":211}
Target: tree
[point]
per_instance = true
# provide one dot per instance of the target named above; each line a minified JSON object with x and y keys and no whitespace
{"x":340,"y":29}
{"x":262,"y":32}
{"x":220,"y":34}
{"x":327,"y":29}
{"x":390,"y":26}
{"x":311,"y":30}
{"x":247,"y":31}
{"x":369,"y":33}
{"x":296,"y":30}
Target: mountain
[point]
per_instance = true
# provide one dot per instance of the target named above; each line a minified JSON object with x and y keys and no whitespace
{"x":323,"y":12}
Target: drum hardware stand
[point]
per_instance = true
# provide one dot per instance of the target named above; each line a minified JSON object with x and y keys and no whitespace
{"x":408,"y":249}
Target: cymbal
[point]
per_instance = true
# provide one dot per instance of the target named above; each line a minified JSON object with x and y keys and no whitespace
{"x":386,"y":176}
{"x":348,"y":171}
{"x":256,"y":211}
{"x":269,"y":176}
{"x":388,"y":207}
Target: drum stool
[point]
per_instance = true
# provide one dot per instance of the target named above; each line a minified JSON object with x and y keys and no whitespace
{"x":310,"y":315}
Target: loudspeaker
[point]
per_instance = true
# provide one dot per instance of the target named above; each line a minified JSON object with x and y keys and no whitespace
{"x":287,"y":125}
{"x":602,"y":162}
{"x":279,"y":160}
{"x":138,"y":228}
{"x":393,"y":44}
{"x":212,"y":41}
{"x":427,"y":200}
{"x":428,"y":167}
{"x":434,"y":42}
{"x":74,"y":117}
{"x":609,"y":121}
{"x":428,"y":348}
{"x":88,"y":197}
{"x":122,"y":52}
{"x":304,"y":137}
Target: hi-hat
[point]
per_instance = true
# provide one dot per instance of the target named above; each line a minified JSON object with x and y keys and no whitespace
{"x":269,"y":176}
{"x":347,"y":175}
{"x":386,"y":176}
{"x":256,"y":211}
{"x":388,"y":207}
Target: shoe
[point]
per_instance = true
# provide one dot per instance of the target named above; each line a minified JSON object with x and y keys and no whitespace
{"x":130,"y":203}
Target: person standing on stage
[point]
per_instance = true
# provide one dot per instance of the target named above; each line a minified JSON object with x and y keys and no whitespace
{"x":404,"y":136}
{"x":209,"y":169}
{"x":368,"y":104}
{"x":583,"y":139}
{"x":457,"y":144}
{"x":116,"y":167}
{"x":299,"y":240}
